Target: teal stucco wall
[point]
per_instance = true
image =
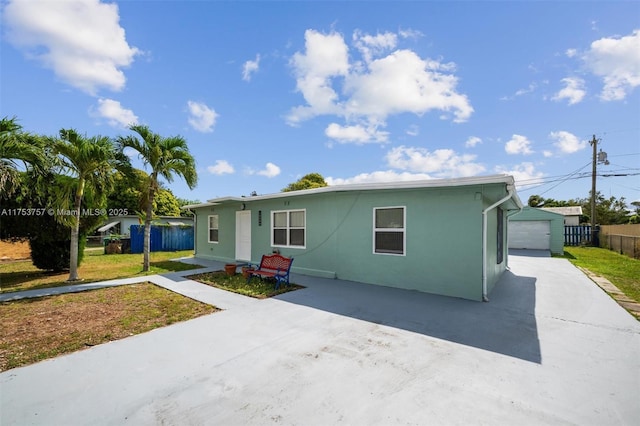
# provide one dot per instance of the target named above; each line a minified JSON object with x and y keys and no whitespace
{"x":443,"y":232}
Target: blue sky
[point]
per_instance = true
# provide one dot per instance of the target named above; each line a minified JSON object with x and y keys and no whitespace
{"x":266,"y":92}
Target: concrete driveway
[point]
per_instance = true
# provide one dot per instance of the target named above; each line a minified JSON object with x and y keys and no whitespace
{"x":549,"y":348}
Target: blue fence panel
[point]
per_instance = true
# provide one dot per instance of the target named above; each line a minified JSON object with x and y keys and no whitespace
{"x":177,"y":238}
{"x":137,"y":238}
{"x":577,"y":235}
{"x":163,"y":238}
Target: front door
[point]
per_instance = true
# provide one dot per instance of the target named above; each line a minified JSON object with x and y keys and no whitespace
{"x":243,"y":235}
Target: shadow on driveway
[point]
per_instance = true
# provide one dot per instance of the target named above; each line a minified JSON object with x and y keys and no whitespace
{"x":505,"y":325}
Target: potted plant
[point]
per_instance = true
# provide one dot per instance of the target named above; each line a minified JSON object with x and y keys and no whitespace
{"x":247,"y":270}
{"x":230,"y":269}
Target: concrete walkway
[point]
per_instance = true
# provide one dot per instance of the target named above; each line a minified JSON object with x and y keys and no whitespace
{"x":174,"y":281}
{"x":549,"y":348}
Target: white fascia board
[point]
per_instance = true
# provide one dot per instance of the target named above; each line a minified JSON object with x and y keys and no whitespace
{"x":429,"y":183}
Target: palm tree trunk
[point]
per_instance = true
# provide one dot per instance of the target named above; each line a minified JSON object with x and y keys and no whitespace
{"x":75,"y":231}
{"x":147,"y":227}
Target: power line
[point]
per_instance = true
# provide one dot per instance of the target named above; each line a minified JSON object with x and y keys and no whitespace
{"x":561,"y":180}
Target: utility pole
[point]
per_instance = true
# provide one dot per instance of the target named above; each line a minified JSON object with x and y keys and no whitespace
{"x":594,"y":143}
{"x":600,"y":157}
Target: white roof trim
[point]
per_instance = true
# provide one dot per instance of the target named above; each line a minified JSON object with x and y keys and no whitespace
{"x":192,"y":206}
{"x":430,"y":183}
{"x":108,"y":226}
{"x":565,"y":211}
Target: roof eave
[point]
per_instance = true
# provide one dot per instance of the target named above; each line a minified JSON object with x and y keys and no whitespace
{"x":430,"y":183}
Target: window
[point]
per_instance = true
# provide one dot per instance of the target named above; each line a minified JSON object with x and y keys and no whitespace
{"x":288,"y":228}
{"x":500,"y":241}
{"x":389,"y":230}
{"x":213,"y":229}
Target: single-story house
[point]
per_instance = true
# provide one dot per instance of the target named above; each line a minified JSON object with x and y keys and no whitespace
{"x":571,"y":214}
{"x":121,"y":225}
{"x":446,"y":237}
{"x":537,"y":229}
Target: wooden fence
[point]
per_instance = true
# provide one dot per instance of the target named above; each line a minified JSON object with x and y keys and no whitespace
{"x":624,"y":239}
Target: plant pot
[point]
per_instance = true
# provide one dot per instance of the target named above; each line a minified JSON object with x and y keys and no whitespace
{"x":246,"y":271}
{"x":230,"y":269}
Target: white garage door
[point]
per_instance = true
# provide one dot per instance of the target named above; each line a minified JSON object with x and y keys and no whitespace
{"x":533,"y":235}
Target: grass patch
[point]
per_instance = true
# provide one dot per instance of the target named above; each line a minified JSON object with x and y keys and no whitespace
{"x":32,"y":330}
{"x":622,"y":271}
{"x":19,"y":276}
{"x":260,"y":289}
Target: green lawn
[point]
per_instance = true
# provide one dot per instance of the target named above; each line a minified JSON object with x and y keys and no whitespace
{"x":35,"y":329}
{"x":622,"y":271}
{"x":96,"y":266}
{"x":257,"y":288}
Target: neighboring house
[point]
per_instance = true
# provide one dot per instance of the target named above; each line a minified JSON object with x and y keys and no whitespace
{"x":571,"y":214}
{"x":121,"y":225}
{"x":537,"y":229}
{"x":446,"y":237}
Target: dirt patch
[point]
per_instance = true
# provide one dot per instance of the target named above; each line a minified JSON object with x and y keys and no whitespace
{"x":10,"y":251}
{"x":35,"y":329}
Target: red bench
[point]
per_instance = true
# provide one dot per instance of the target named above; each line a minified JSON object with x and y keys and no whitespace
{"x":273,"y":266}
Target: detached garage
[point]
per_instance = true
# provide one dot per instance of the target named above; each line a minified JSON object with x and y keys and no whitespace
{"x":537,"y":229}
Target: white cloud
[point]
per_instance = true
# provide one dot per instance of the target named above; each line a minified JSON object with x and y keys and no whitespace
{"x":379,"y":176}
{"x":523,"y":174}
{"x":270,"y":170}
{"x":573,"y":91}
{"x":410,"y":33}
{"x":571,"y":53}
{"x":375,"y":45}
{"x":547,"y":154}
{"x":617,"y":61}
{"x":131,"y":153}
{"x":357,"y":134}
{"x":250,"y":67}
{"x":403,"y":82}
{"x":413,"y":130}
{"x":202,"y":118}
{"x":566,"y":142}
{"x":221,"y":167}
{"x":325,"y":57}
{"x":441,"y":162}
{"x":530,"y":89}
{"x":80,"y":40}
{"x":366,"y":92}
{"x":116,"y":115}
{"x":518,"y":145}
{"x":520,"y":92}
{"x":472,"y":142}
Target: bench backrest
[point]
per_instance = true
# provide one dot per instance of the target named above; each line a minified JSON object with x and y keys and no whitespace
{"x":275,"y":262}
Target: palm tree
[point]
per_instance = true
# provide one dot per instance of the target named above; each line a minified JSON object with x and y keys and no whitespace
{"x":166,"y":157}
{"x":18,"y":147}
{"x":91,"y":161}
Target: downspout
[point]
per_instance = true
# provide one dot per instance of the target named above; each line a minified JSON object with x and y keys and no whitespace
{"x":484,"y":239}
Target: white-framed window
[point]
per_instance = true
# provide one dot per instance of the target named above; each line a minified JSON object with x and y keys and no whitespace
{"x":289,"y":228}
{"x":389,"y":232}
{"x":213,"y":228}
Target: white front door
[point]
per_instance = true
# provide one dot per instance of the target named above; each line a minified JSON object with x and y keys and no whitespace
{"x":243,"y":235}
